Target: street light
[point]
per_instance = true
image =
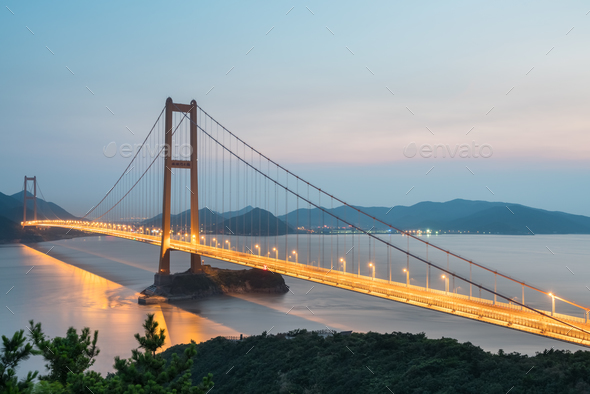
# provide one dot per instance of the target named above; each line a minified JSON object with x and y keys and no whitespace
{"x":446,"y":278}
{"x":296,"y":257}
{"x":228,"y":244}
{"x":276,"y":253}
{"x":372,"y":266}
{"x":211,"y":243}
{"x":407,"y":277}
{"x":343,"y":264}
{"x":257,"y":247}
{"x":552,"y":304}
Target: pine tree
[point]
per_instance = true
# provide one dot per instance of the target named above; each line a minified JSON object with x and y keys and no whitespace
{"x":152,"y":341}
{"x":148,"y":369}
{"x":72,"y":354}
{"x":14,"y":350}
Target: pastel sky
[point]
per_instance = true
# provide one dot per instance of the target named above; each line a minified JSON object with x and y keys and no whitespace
{"x":334,"y":91}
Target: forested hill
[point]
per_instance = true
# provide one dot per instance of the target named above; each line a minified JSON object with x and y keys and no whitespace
{"x":381,"y":363}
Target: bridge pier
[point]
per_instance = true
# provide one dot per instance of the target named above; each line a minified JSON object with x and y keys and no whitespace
{"x":196,"y":263}
{"x":163,"y":279}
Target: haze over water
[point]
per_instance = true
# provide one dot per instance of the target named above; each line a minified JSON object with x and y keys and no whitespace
{"x":94,"y":282}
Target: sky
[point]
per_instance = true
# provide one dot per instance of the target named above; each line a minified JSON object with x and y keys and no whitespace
{"x":353,"y":97}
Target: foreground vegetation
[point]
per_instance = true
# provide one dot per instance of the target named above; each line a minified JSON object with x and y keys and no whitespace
{"x":304,"y":362}
{"x":69,"y":358}
{"x":296,"y":362}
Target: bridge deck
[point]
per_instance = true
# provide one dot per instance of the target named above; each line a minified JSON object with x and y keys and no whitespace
{"x":562,"y":327}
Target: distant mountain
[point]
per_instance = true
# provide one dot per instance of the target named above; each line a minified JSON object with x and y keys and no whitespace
{"x":231,"y":214}
{"x":456,"y":216}
{"x":246,"y":221}
{"x":256,"y":221}
{"x":452,"y":216}
{"x":183,"y":219}
{"x":11,"y":215}
{"x":11,"y":207}
{"x":499,"y":219}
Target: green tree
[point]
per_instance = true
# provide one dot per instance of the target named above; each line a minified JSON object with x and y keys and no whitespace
{"x":14,"y":350}
{"x":150,"y":370}
{"x":146,"y":371}
{"x":69,"y":358}
{"x":46,"y":387}
{"x":72,"y":354}
{"x":152,"y":341}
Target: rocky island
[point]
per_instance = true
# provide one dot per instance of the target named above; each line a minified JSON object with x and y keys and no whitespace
{"x":214,"y":281}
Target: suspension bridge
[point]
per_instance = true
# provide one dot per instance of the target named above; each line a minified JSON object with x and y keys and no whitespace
{"x":194,"y":186}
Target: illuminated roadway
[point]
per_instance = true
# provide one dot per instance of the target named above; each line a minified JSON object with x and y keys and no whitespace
{"x":562,"y":327}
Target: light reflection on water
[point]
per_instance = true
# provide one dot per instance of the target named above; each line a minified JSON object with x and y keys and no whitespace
{"x":60,"y":295}
{"x":95,"y":281}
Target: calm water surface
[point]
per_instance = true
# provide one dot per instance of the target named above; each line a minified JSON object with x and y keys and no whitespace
{"x":95,"y":281}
